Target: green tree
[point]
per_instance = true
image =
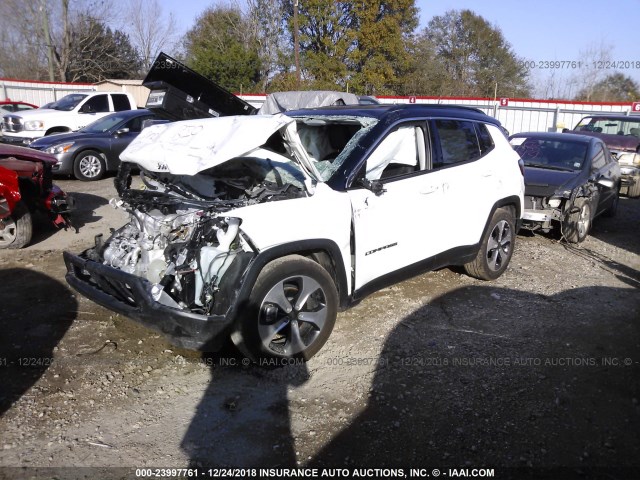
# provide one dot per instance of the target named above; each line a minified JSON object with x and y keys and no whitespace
{"x":383,"y":32}
{"x":325,"y":39}
{"x":356,"y":45}
{"x":475,"y":56}
{"x":222,"y":47}
{"x":426,"y":74}
{"x":615,"y":87}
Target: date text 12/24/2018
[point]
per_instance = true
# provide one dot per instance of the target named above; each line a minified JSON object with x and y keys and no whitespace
{"x":579,"y":64}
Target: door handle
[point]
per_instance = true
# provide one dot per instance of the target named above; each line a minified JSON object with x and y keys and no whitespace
{"x":429,"y":190}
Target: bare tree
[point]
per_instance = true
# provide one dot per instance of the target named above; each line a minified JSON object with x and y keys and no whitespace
{"x":268,"y":28}
{"x":592,"y":58}
{"x":150,"y":30}
{"x":555,"y":85}
{"x":22,"y":42}
{"x":578,"y":82}
{"x":37,"y":37}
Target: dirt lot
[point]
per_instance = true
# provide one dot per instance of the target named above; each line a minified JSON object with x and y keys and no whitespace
{"x":536,"y":373}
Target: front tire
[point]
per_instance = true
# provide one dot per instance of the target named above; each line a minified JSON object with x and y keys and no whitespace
{"x":496,"y":248}
{"x":577,"y":224}
{"x":17,"y":229}
{"x":89,"y":166}
{"x":291,"y":313}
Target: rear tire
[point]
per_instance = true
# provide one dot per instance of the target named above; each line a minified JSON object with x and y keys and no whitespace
{"x":267,"y":332}
{"x":577,"y":225}
{"x":18,"y":228}
{"x":496,"y":248}
{"x":89,"y":166}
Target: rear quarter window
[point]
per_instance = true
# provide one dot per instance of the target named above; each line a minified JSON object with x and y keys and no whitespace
{"x":484,"y":138}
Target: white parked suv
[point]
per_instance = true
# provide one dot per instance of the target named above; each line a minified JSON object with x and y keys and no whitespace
{"x":68,"y":114}
{"x":260,"y":228}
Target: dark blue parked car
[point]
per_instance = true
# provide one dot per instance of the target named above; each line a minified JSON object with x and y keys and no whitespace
{"x":569,"y":180}
{"x":95,"y":149}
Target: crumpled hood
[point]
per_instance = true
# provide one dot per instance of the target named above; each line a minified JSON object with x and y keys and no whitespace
{"x":540,"y":182}
{"x":191,"y":146}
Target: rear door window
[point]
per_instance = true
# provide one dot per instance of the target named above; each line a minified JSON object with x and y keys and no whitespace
{"x":484,"y":138}
{"x":458,"y":142}
{"x":120,"y":102}
{"x":98,"y":104}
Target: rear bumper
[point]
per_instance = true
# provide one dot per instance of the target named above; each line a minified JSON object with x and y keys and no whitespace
{"x":630,"y":175}
{"x":130,"y":295}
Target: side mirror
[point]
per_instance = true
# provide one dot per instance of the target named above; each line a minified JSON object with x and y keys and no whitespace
{"x":375,"y":186}
{"x":565,"y":130}
{"x":121,"y":131}
{"x":86,"y":108}
{"x":606,"y":183}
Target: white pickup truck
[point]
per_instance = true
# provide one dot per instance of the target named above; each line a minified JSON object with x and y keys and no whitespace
{"x":68,"y":114}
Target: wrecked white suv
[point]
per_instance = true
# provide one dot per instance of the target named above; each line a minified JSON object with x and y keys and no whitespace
{"x":260,"y":228}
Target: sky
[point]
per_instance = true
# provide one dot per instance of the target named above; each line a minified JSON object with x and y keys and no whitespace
{"x":542,"y":30}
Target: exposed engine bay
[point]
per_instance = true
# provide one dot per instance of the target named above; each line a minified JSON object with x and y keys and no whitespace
{"x":178,"y":237}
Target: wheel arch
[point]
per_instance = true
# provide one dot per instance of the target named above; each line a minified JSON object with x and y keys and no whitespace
{"x":325,"y":252}
{"x":93,"y":149}
{"x":512,"y":202}
{"x":58,"y":129}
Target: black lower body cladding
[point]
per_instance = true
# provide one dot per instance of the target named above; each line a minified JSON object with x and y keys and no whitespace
{"x":131,"y":296}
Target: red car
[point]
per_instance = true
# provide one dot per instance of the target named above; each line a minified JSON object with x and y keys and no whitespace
{"x":26,"y":188}
{"x":9,"y":106}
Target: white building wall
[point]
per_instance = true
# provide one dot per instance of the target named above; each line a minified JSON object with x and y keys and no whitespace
{"x":39,"y":93}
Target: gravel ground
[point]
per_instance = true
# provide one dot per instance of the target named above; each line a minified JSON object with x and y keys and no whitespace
{"x":537,"y":373}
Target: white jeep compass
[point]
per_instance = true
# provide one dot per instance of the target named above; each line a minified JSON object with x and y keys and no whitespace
{"x":260,"y":228}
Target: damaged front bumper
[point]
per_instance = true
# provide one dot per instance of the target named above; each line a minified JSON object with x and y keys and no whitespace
{"x":540,"y":219}
{"x":131,"y":296}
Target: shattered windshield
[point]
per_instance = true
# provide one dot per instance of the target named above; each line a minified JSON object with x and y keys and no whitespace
{"x":328,"y":141}
{"x":245,"y":158}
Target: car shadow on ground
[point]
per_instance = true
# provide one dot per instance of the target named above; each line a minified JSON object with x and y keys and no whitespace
{"x":479,"y":377}
{"x":492,"y":377}
{"x":26,"y":342}
{"x":243,"y":419}
{"x":83,"y":214}
{"x":84,"y":209}
{"x":622,"y":230}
